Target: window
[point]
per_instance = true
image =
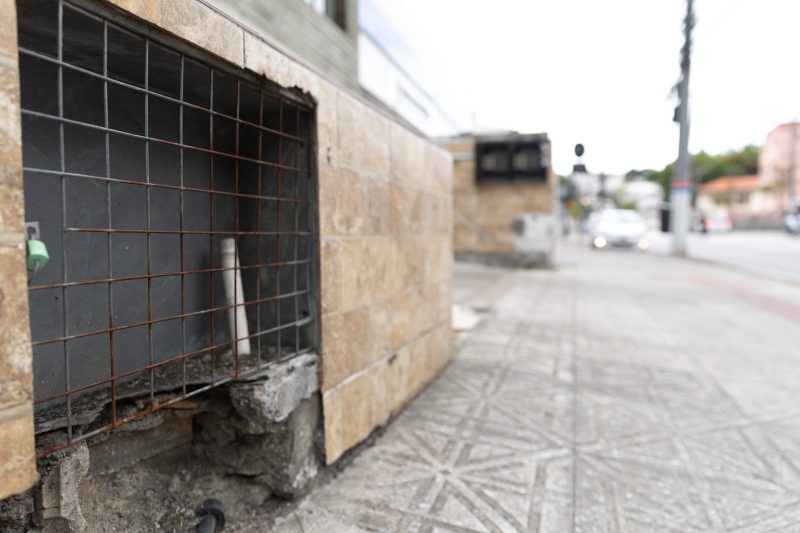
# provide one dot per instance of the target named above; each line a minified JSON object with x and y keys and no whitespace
{"x":333,"y":9}
{"x":157,"y":179}
{"x":513,"y":159}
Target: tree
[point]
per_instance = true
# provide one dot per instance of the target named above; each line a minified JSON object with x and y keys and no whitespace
{"x":706,"y":167}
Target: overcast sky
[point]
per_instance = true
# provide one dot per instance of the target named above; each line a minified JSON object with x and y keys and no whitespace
{"x":600,"y":71}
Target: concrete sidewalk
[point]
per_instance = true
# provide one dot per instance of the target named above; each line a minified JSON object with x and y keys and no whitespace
{"x":619,"y":392}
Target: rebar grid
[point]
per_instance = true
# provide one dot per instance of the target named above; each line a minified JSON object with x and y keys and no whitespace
{"x":244,"y":205}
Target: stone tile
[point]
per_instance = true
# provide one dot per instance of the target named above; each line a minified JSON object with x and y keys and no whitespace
{"x":329,"y":282}
{"x":438,"y":168}
{"x":356,"y":407}
{"x":264,"y":59}
{"x":8,"y":29}
{"x":442,"y":220}
{"x":414,"y":311}
{"x":305,"y":79}
{"x":327,"y":126}
{"x":378,"y":192}
{"x":409,"y":210}
{"x":11,"y":190}
{"x":408,"y":156}
{"x":17,"y":462}
{"x":261,"y":57}
{"x":410,"y":266}
{"x":345,"y":345}
{"x":380,"y":327}
{"x":343,"y":202}
{"x":333,"y":419}
{"x":367,"y":271}
{"x":12,"y":204}
{"x":399,"y":217}
{"x":440,"y":347}
{"x":363,"y":136}
{"x":438,"y":259}
{"x":400,"y":378}
{"x":418,"y":211}
{"x":193,"y":22}
{"x":11,"y":199}
{"x":15,"y":349}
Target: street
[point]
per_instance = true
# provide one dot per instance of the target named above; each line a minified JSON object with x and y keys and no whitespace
{"x":772,"y":254}
{"x":619,"y":391}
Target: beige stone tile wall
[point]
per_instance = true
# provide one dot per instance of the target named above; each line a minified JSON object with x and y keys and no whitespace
{"x":385,"y":231}
{"x":491,"y":207}
{"x":17,"y":462}
{"x":385,"y":223}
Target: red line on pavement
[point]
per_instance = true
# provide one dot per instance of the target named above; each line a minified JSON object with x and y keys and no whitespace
{"x":768,"y":303}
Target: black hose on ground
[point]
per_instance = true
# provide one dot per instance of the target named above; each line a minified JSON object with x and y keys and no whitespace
{"x":212,"y":516}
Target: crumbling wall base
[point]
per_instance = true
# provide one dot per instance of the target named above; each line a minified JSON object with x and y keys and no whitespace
{"x":267,"y":430}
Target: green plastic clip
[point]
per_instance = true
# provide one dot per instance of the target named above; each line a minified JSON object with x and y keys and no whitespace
{"x":37,"y":255}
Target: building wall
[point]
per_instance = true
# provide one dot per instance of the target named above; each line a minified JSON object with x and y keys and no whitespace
{"x":484,"y":213}
{"x":315,"y":38}
{"x":385,"y":242}
{"x":17,"y":465}
{"x":778,"y":156}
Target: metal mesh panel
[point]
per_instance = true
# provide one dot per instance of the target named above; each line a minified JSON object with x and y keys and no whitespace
{"x":138,"y":161}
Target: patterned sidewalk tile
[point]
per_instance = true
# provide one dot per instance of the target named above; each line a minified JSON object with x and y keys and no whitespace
{"x":615,"y":394}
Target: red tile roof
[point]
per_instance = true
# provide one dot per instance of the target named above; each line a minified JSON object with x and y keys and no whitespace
{"x":722,"y":184}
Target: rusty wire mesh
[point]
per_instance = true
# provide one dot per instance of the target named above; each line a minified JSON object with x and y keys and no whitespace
{"x":138,"y":160}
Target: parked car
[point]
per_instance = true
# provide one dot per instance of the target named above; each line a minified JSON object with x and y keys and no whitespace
{"x":618,"y":227}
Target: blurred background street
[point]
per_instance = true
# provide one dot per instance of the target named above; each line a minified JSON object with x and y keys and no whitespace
{"x":772,"y":254}
{"x":620,"y":391}
{"x":367,"y":265}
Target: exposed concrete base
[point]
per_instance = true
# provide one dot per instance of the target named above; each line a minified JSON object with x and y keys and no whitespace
{"x":267,"y":429}
{"x":57,"y":503}
{"x":283,"y":455}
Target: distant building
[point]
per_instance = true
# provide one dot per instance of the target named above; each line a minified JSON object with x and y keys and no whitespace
{"x":779,"y":167}
{"x":503,"y":195}
{"x":743,"y":200}
{"x":735,"y":197}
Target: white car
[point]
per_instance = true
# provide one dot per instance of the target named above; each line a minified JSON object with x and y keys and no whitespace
{"x":618,"y":227}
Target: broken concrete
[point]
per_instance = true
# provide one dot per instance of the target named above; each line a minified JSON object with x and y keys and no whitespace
{"x":283,"y":455}
{"x":275,"y":395}
{"x":57,"y":505}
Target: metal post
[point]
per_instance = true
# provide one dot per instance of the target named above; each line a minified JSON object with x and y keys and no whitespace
{"x":681,"y":182}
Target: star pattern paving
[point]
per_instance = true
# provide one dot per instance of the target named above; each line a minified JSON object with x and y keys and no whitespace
{"x":562,"y":412}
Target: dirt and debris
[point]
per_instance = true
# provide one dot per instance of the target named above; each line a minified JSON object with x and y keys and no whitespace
{"x":161,"y":494}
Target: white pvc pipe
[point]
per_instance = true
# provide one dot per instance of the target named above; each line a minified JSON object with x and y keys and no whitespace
{"x":234,"y":295}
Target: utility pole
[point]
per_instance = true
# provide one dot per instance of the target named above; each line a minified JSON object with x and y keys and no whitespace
{"x":681,"y":182}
